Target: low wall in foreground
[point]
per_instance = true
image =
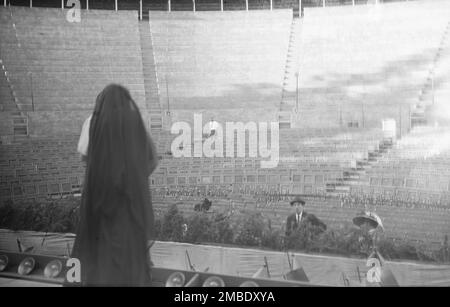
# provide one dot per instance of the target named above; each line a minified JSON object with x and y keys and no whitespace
{"x":321,"y":269}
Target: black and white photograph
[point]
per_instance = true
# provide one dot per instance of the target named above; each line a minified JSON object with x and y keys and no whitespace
{"x":223,"y":144}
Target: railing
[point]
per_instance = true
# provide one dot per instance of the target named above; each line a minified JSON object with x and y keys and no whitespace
{"x":200,"y":5}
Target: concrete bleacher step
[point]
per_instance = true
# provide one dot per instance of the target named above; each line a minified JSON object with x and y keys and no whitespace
{"x":337,"y":188}
{"x":374,"y":155}
{"x":362,"y":164}
{"x":418,"y":120}
{"x":354,"y":175}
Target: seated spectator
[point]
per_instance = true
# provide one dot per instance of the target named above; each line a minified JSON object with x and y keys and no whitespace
{"x":204,"y":206}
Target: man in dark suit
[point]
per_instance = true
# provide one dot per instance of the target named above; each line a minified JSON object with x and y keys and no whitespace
{"x":300,"y":216}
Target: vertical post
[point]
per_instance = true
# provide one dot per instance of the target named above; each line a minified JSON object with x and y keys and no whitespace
{"x":4,"y":3}
{"x":169,"y":6}
{"x":323,"y":1}
{"x":116,"y":5}
{"x":296,"y":98}
{"x":167,"y":91}
{"x":221,"y":5}
{"x":31,"y":3}
{"x":140,"y":9}
{"x":271,"y":5}
{"x":62,"y":4}
{"x":32,"y":91}
{"x":193,"y":5}
{"x":353,"y":2}
{"x":246,"y":5}
{"x":432,"y":89}
{"x":363,"y":116}
{"x":300,"y":8}
{"x":87,"y":5}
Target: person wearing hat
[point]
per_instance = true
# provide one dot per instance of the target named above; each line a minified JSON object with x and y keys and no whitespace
{"x":299,"y":216}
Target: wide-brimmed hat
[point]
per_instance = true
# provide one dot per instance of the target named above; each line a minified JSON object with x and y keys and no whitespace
{"x":368,"y":217}
{"x":297,"y":199}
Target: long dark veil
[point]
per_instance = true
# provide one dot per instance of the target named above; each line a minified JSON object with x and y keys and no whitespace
{"x":116,"y":215}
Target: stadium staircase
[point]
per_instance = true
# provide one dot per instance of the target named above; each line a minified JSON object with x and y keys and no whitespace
{"x":426,"y":95}
{"x":10,"y":103}
{"x":291,"y":70}
{"x":353,"y":175}
{"x":18,"y":100}
{"x":415,"y":168}
{"x":8,"y":96}
{"x":151,"y":84}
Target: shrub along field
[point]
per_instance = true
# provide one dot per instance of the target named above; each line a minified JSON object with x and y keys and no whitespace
{"x":248,"y":229}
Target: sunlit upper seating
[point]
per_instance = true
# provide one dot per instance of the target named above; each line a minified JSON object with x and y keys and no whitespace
{"x":368,"y":61}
